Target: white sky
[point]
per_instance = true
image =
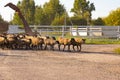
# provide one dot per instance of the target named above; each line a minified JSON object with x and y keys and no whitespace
{"x":103,"y":7}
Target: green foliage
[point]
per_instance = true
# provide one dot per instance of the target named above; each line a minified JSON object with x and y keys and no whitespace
{"x":98,"y":21}
{"x":117,"y":50}
{"x":16,"y":20}
{"x":79,"y":8}
{"x":31,"y":11}
{"x":40,"y":17}
{"x":83,"y":9}
{"x":60,"y":20}
{"x":78,"y":21}
{"x":113,"y":19}
{"x":27,"y":8}
{"x":53,"y":13}
{"x":51,"y":9}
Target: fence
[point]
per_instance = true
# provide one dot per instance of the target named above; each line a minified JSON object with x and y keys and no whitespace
{"x":84,"y":31}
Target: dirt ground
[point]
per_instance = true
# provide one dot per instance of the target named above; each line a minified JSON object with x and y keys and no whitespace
{"x":95,"y":62}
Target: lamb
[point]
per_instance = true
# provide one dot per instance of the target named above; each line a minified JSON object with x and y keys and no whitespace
{"x":65,"y":42}
{"x":78,"y":42}
{"x":50,"y":41}
{"x":11,"y":41}
{"x":36,"y":41}
{"x":68,"y":42}
{"x":23,"y":43}
{"x":2,"y":41}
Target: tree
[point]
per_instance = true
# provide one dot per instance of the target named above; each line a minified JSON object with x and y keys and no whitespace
{"x":16,"y":19}
{"x":78,"y":21}
{"x":51,"y":9}
{"x":113,"y":19}
{"x":98,"y":21}
{"x":79,"y":8}
{"x":31,"y":10}
{"x":83,"y":9}
{"x":39,"y":16}
{"x":90,"y":8}
{"x":27,"y":8}
{"x":60,"y":20}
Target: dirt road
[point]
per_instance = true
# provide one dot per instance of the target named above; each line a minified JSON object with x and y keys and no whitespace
{"x":95,"y":62}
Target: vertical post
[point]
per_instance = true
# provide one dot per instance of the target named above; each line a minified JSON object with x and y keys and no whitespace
{"x":63,"y":31}
{"x":10,"y":17}
{"x":118,"y":33}
{"x":63,"y":28}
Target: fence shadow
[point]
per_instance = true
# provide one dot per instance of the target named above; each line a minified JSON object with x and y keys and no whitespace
{"x":7,"y":55}
{"x":90,"y":52}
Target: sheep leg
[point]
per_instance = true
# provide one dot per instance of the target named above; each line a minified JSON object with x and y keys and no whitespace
{"x":52,"y":47}
{"x":73,"y":47}
{"x":45,"y":47}
{"x":41,"y":46}
{"x":64,"y":47}
{"x":80,"y":48}
{"x":27,"y":47}
{"x":59,"y":47}
{"x":69,"y":48}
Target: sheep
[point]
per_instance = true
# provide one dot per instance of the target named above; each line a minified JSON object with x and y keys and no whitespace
{"x":78,"y":42}
{"x":50,"y":41}
{"x":23,"y":43}
{"x":64,"y":41}
{"x":11,"y":41}
{"x":68,"y":42}
{"x":36,"y":41}
{"x":20,"y":36}
{"x":2,"y":41}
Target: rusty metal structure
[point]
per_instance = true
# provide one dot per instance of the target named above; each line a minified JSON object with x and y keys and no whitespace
{"x":26,"y":26}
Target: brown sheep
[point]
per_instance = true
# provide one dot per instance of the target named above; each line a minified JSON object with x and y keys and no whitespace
{"x":78,"y":42}
{"x":23,"y":43}
{"x":11,"y":41}
{"x":65,"y":42}
{"x":36,"y":41}
{"x":51,"y":41}
{"x":2,"y":42}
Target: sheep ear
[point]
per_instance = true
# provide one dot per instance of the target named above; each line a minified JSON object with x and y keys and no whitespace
{"x":57,"y":42}
{"x":84,"y":39}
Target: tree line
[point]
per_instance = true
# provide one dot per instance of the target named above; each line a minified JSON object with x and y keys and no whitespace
{"x":54,"y":13}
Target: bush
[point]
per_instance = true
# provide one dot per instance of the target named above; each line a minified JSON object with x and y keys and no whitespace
{"x":117,"y":50}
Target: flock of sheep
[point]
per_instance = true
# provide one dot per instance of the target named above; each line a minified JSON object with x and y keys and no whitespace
{"x":38,"y":42}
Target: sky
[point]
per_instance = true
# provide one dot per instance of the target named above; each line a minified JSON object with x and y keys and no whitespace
{"x":103,"y":7}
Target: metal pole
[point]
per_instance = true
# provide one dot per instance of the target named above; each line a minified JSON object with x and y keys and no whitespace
{"x":118,"y":33}
{"x":63,"y":28}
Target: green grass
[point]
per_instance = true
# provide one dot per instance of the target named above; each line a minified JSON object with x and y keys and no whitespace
{"x":102,"y":41}
{"x":117,"y":50}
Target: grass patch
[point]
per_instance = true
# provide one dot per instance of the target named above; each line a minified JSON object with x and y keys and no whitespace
{"x":117,"y":50}
{"x":102,"y":41}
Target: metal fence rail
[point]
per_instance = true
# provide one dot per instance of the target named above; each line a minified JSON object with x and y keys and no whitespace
{"x":84,"y":31}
